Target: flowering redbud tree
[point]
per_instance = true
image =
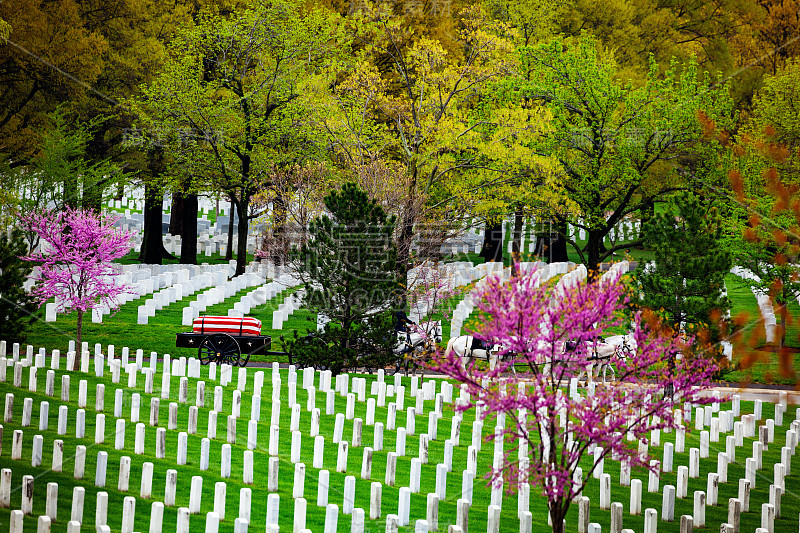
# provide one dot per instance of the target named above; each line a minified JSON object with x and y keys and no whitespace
{"x":75,"y":261}
{"x":430,"y":286}
{"x":551,"y":334}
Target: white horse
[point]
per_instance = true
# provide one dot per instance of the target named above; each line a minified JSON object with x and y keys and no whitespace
{"x":465,"y":347}
{"x":605,"y":353}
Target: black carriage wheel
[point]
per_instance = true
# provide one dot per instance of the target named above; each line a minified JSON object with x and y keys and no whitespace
{"x":234,"y":357}
{"x":221,"y":348}
{"x":206,"y":354}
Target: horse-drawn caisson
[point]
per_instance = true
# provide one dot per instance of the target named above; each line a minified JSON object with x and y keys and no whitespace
{"x":415,"y":342}
{"x":232,"y":341}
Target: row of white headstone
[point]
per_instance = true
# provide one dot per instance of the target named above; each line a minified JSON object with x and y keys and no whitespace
{"x":544,"y":271}
{"x":227,"y":289}
{"x":381,"y":389}
{"x":133,"y":198}
{"x":143,"y":283}
{"x":745,"y":428}
{"x":427,"y":391}
{"x":291,"y":303}
{"x":220,"y":289}
{"x":624,"y":230}
{"x":100,"y":480}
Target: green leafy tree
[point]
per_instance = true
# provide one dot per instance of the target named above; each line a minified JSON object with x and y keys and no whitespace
{"x":348,"y":269}
{"x":618,"y":147}
{"x":764,"y":176}
{"x":17,"y":307}
{"x":764,"y":223}
{"x":230,"y":97}
{"x":775,"y":121}
{"x":49,"y":56}
{"x":639,"y":29}
{"x":685,"y":283}
{"x":408,"y":99}
{"x":63,"y":164}
{"x":5,"y":30}
{"x":60,"y":173}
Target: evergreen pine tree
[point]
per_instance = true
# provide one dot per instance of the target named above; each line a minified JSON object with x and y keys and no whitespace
{"x":348,"y":267}
{"x":685,"y":283}
{"x":17,"y":307}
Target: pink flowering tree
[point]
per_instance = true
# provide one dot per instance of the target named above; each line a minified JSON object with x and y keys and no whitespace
{"x":431,"y":286}
{"x":75,"y":260}
{"x":551,"y":333}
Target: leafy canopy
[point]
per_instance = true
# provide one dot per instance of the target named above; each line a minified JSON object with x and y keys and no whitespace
{"x":617,"y":147}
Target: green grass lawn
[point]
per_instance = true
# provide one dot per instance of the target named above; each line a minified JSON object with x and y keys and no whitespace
{"x":315,"y":515}
{"x":158,"y":335}
{"x":758,"y":364}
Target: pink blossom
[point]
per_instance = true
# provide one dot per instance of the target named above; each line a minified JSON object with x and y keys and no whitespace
{"x":430,"y":286}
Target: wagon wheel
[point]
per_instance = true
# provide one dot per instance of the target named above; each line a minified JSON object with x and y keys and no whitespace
{"x":221,"y":348}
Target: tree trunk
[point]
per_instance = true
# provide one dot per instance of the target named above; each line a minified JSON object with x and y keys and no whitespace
{"x":551,"y":246}
{"x":152,"y":250}
{"x":782,"y":332}
{"x":593,"y":249}
{"x":559,"y":243}
{"x":229,"y":249}
{"x":646,"y":213}
{"x":557,"y":515}
{"x":241,"y":253}
{"x":76,"y":364}
{"x":176,"y":215}
{"x":189,"y":230}
{"x":492,"y":249}
{"x":517,"y":242}
{"x":279,"y":241}
{"x":404,"y":248}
